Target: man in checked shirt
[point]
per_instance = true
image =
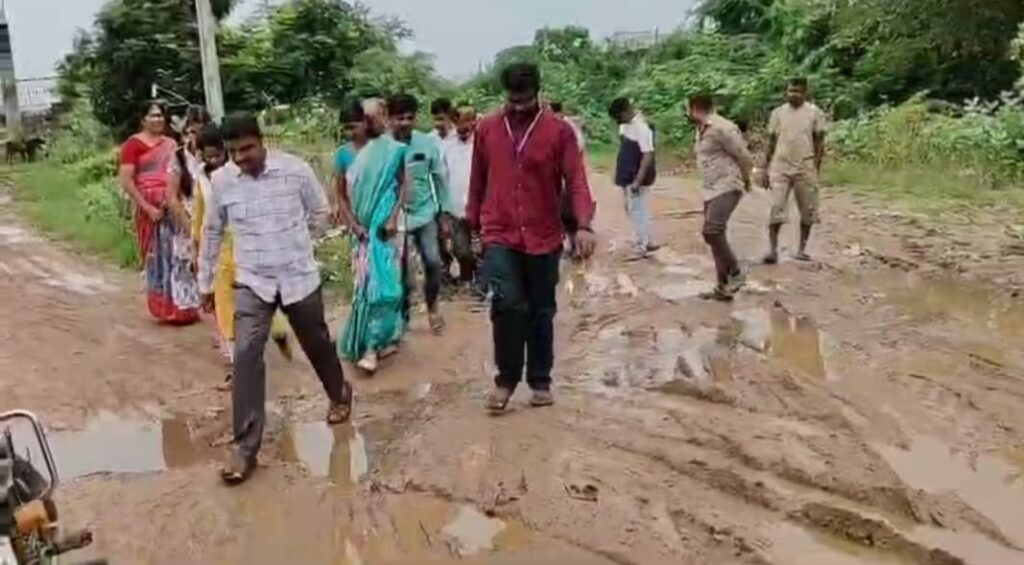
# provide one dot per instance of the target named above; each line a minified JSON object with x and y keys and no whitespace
{"x":274,"y":205}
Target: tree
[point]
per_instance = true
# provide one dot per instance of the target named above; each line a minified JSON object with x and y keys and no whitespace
{"x":303,"y":49}
{"x":954,"y":49}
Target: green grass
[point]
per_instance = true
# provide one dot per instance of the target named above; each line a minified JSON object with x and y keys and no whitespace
{"x":926,"y":190}
{"x":84,"y":215}
{"x":93,"y":218}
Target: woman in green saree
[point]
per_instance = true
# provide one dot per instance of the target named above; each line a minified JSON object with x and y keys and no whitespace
{"x":371,"y":205}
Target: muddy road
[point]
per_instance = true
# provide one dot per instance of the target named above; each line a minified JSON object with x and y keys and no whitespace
{"x":864,"y":408}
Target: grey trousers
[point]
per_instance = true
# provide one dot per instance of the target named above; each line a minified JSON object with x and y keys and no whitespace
{"x":717,"y":212}
{"x":252,"y":327}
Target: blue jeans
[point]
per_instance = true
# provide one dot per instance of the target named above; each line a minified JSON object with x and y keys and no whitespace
{"x":639,"y":211}
{"x":426,"y":242}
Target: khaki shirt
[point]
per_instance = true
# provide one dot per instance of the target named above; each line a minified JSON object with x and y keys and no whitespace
{"x":794,"y":129}
{"x":722,"y":156}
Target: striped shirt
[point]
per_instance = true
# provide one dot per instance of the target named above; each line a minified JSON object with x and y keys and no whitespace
{"x":273,"y":218}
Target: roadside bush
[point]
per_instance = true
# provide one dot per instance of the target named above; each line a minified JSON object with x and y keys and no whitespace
{"x":981,"y":141}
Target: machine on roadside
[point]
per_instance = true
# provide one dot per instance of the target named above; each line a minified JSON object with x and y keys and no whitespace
{"x":30,"y":533}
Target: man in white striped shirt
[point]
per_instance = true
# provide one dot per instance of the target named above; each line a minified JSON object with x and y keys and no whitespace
{"x":274,"y":205}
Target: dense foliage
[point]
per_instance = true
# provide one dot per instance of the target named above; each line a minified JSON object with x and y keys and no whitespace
{"x":865,"y":59}
{"x":301,"y":50}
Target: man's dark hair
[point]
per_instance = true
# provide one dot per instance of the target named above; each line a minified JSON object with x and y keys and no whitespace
{"x":521,"y":78}
{"x":799,"y":82}
{"x":210,"y":136}
{"x":197,"y":115}
{"x":402,"y":104}
{"x":704,"y":102}
{"x":239,"y":125}
{"x":618,"y":107}
{"x":556,"y":106}
{"x":353,"y":113}
{"x":441,"y":106}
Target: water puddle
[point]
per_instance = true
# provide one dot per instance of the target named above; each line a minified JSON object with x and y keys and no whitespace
{"x":986,"y":306}
{"x":341,"y":454}
{"x":794,"y":545}
{"x":987,"y":482}
{"x":423,"y":529}
{"x":110,"y":444}
{"x":643,"y":357}
{"x":796,"y":341}
{"x":472,"y":531}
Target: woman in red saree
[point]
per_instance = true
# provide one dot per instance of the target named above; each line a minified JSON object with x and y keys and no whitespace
{"x":145,"y":160}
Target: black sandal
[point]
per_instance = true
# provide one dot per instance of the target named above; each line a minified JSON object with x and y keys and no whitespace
{"x":228,"y":384}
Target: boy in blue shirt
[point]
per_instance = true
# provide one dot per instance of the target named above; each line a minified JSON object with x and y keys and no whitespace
{"x":428,"y":206}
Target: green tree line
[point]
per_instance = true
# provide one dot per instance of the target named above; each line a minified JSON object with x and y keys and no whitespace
{"x":863,"y":57}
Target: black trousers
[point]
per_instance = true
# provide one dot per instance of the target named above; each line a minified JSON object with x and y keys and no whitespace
{"x":523,"y":308}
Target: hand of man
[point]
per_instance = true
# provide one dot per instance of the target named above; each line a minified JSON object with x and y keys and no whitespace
{"x":476,"y":244}
{"x":358,"y":230}
{"x":445,"y":225}
{"x":634,"y":188}
{"x":586,"y":242}
{"x":207,"y":302}
{"x":766,"y":180}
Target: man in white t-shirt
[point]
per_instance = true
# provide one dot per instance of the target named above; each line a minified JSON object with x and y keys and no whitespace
{"x":458,"y":164}
{"x":635,"y":169}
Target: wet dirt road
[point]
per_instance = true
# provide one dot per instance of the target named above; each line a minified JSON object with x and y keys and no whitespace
{"x":865,"y":408}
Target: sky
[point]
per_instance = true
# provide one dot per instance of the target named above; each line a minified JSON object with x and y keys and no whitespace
{"x":462,"y":34}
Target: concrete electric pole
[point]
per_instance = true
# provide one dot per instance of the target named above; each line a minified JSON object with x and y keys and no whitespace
{"x":211,"y":64}
{"x":8,"y":82}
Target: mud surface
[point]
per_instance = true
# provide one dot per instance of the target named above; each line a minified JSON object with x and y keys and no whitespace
{"x":862,"y":408}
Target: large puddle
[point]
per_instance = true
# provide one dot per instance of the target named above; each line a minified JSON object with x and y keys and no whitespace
{"x":988,"y":482}
{"x":796,"y":341}
{"x":110,"y":444}
{"x":992,"y":308}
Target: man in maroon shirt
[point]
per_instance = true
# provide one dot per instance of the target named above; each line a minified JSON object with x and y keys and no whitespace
{"x":522,"y":154}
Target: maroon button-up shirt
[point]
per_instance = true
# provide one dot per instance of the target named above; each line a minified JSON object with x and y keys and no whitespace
{"x":516,"y":184}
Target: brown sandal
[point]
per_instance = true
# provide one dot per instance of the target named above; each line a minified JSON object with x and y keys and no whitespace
{"x":341,"y":412}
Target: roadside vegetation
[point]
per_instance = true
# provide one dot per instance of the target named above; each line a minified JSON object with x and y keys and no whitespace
{"x":926,"y":96}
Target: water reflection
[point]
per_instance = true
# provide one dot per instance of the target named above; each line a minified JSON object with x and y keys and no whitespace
{"x":110,"y":444}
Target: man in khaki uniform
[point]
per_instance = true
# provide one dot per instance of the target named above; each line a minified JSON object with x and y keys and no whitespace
{"x":725,"y":163}
{"x":795,"y":152}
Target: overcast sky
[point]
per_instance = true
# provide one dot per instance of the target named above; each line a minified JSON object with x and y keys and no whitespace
{"x":461,"y":33}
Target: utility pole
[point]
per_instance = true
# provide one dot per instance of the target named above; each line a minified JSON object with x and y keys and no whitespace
{"x":211,"y":64}
{"x":8,"y":83}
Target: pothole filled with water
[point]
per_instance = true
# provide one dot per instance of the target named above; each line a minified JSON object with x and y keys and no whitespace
{"x":111,"y":444}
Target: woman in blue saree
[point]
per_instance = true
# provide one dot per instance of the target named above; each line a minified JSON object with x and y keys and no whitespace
{"x":374,"y":179}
